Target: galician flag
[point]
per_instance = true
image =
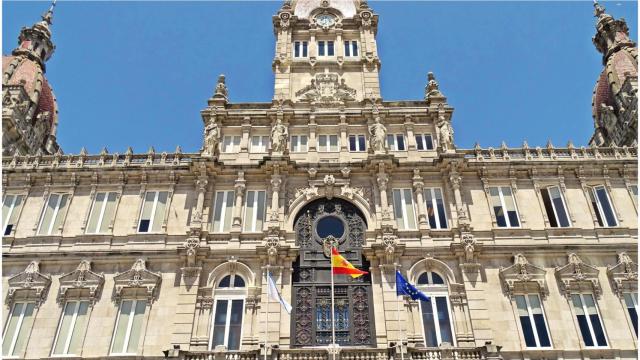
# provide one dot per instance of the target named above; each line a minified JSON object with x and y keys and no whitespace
{"x":342,"y":267}
{"x":272,"y":292}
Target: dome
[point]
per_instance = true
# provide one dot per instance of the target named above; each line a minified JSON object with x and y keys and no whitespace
{"x":303,"y":8}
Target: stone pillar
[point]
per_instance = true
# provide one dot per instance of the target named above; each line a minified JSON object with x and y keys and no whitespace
{"x":418,"y":188}
{"x":240,"y":186}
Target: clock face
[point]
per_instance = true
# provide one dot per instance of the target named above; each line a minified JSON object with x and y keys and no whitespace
{"x":325,"y":20}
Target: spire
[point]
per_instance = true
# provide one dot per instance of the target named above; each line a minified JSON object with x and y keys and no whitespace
{"x":611,"y":34}
{"x":35,"y":41}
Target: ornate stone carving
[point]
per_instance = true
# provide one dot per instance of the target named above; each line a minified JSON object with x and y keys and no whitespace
{"x":279,"y":137}
{"x":211,"y":139}
{"x":578,"y":276}
{"x":523,"y":277}
{"x":326,"y":90}
{"x":138,"y":277}
{"x":624,"y":275}
{"x":82,"y":278}
{"x":377,"y":140}
{"x":29,"y":284}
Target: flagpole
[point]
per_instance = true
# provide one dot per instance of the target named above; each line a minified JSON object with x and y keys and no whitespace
{"x":333,"y":324}
{"x":401,"y":297}
{"x":266,"y":327}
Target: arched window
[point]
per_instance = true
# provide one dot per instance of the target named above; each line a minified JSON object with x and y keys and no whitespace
{"x":436,"y":313}
{"x":228,"y":310}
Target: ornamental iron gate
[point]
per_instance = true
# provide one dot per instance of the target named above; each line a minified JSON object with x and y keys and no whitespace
{"x":319,"y":225}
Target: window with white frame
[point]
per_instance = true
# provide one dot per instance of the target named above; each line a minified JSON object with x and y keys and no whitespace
{"x":504,"y":206}
{"x":53,"y":214}
{"x":555,"y":206}
{"x":223,"y":211}
{"x":231,"y":144}
{"x":102,"y":213}
{"x":435,"y":208}
{"x":424,"y":142}
{"x":436,"y":313}
{"x":350,"y":48}
{"x":298,"y":143}
{"x":395,"y":142}
{"x":254,"y":210}
{"x":10,"y":211}
{"x":328,"y":143}
{"x":153,"y":210}
{"x":71,"y":328}
{"x":602,"y":206}
{"x":326,"y":48}
{"x":128,"y":330}
{"x":532,"y":321}
{"x":589,"y":320}
{"x":631,"y":303}
{"x":228,"y":311}
{"x":403,"y":209}
{"x":300,"y":49}
{"x":17,"y":329}
{"x":357,"y":143}
{"x":259,"y":144}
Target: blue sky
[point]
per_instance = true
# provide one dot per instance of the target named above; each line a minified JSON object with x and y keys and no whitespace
{"x":138,"y":73}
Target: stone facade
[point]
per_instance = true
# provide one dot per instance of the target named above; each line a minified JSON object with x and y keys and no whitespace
{"x":165,"y":255}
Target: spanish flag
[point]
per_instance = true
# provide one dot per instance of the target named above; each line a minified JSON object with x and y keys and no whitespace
{"x":341,"y":266}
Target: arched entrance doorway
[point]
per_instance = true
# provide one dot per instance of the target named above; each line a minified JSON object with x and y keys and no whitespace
{"x":318,"y":223}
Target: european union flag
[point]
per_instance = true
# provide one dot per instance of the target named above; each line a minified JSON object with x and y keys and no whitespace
{"x":404,"y":288}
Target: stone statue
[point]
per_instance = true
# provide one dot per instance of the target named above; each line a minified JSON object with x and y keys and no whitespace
{"x":211,"y":138}
{"x":378,"y":136}
{"x":279,"y":137}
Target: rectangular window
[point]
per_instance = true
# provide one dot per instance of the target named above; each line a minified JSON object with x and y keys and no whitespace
{"x":53,"y":214}
{"x":227,"y":324}
{"x":299,"y":143}
{"x":300,"y":49}
{"x":223,"y":211}
{"x":10,"y":210}
{"x":102,"y":213}
{"x":259,"y":144}
{"x":231,"y":144}
{"x":254,"y":210}
{"x":153,"y":210}
{"x":71,"y":328}
{"x":357,"y":143}
{"x":602,"y":206}
{"x":555,"y":207}
{"x":532,"y":320}
{"x":424,"y":142}
{"x":588,"y":320}
{"x":631,"y":302}
{"x":350,"y":48}
{"x":403,"y":209}
{"x":128,"y":327}
{"x":395,"y":142}
{"x":436,"y":321}
{"x":17,"y":329}
{"x":328,"y":143}
{"x":504,"y":206}
{"x":435,"y":208}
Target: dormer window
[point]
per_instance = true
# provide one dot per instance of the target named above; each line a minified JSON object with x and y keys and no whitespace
{"x":351,"y":48}
{"x":326,"y":48}
{"x":300,"y":49}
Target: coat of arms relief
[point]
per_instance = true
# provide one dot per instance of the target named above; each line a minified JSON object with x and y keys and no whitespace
{"x":326,"y":89}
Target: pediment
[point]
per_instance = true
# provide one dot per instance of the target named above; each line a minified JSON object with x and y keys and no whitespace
{"x":29,"y":284}
{"x":578,"y":276}
{"x":524,"y":277}
{"x":624,"y":275}
{"x":87,"y":282}
{"x":137,"y":281}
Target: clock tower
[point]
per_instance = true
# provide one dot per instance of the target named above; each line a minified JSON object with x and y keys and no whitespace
{"x":326,"y":53}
